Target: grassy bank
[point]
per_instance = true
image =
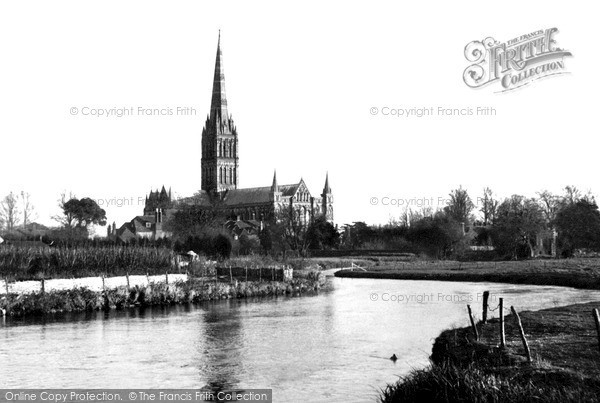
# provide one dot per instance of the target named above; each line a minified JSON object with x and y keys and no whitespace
{"x":192,"y":291}
{"x":578,"y":273}
{"x":565,"y":366}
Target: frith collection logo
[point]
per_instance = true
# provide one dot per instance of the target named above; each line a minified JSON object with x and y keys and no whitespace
{"x":516,"y":62}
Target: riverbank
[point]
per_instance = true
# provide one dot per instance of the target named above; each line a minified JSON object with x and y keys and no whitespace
{"x":577,"y":273}
{"x":192,"y":291}
{"x":565,"y":362}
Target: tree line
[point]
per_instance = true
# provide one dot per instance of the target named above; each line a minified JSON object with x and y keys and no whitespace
{"x":510,"y":228}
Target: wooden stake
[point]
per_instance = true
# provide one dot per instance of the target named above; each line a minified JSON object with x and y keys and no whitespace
{"x":486,"y":295}
{"x":502,"y":335}
{"x":597,"y":319}
{"x":103,"y":286}
{"x":167,"y":278}
{"x":127,"y":277}
{"x":473,"y":323}
{"x":43,"y":286}
{"x":522,"y":333}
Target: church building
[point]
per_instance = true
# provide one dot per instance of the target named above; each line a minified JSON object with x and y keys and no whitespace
{"x":220,"y":174}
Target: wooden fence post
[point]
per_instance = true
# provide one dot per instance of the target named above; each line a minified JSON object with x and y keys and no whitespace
{"x":473,"y":323}
{"x":167,"y":278}
{"x":127,"y":277}
{"x":502,"y":335}
{"x":43,"y":284}
{"x":103,"y":285}
{"x":597,"y":319}
{"x":522,"y":333}
{"x":486,"y":295}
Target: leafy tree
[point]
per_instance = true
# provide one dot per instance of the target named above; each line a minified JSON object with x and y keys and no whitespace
{"x":191,"y":220}
{"x":518,"y":222}
{"x":85,"y":212}
{"x":439,"y":236}
{"x":357,"y":234}
{"x":322,"y":234}
{"x":265,"y":238}
{"x":460,"y":206}
{"x":248,"y":244}
{"x":578,"y":226}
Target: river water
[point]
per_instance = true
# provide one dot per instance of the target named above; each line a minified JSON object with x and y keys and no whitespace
{"x":331,"y":346}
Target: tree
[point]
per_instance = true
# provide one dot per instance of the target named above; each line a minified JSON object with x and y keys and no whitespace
{"x":578,"y":226}
{"x":489,"y":207}
{"x":85,"y":211}
{"x":66,"y":219}
{"x":518,"y":223}
{"x":9,"y":211}
{"x":290,"y":230}
{"x":249,"y":244}
{"x":27,"y":208}
{"x":550,"y":204}
{"x":460,"y":206}
{"x":356,"y":234}
{"x":439,"y":236}
{"x":191,"y":220}
{"x":322,"y":234}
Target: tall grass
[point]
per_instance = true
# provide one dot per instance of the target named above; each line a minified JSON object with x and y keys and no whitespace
{"x":27,"y":263}
{"x":450,"y":383}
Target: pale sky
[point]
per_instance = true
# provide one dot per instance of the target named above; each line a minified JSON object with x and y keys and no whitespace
{"x":301,"y":79}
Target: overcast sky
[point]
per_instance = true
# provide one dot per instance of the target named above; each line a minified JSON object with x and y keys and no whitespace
{"x":301,"y":79}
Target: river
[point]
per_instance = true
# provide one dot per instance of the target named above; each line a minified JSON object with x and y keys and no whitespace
{"x":331,"y":346}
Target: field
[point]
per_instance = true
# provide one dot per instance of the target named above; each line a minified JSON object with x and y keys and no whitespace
{"x":578,"y":273}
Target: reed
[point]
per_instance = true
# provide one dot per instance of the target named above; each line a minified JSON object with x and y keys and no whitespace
{"x":27,"y":263}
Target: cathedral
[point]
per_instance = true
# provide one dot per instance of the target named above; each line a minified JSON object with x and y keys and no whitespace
{"x":241,"y":208}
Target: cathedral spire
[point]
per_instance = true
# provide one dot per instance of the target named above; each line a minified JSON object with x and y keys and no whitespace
{"x":326,"y":188}
{"x":218,"y":105}
{"x":274,"y":186}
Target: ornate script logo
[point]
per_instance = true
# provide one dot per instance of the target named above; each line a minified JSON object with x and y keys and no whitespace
{"x":514,"y":63}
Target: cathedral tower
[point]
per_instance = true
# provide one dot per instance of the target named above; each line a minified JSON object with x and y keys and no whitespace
{"x":327,"y":200}
{"x":220,"y":166}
